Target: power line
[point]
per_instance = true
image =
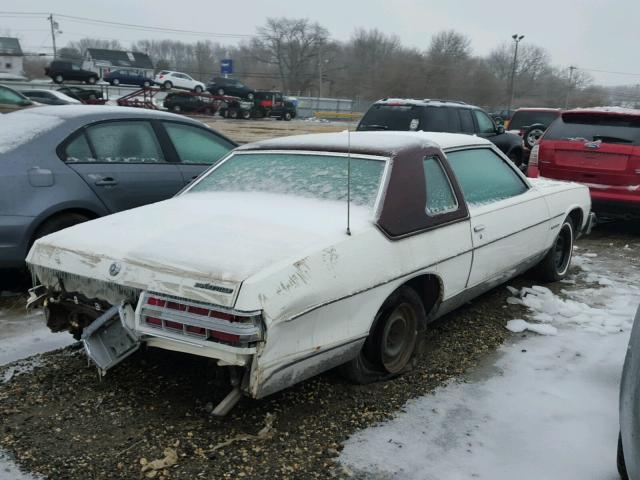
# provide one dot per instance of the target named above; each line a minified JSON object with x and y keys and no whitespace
{"x":609,"y":71}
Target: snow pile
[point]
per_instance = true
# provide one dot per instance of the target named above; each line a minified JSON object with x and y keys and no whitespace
{"x":606,"y":308}
{"x":517,"y":326}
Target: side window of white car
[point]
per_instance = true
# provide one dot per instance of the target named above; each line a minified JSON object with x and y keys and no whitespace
{"x":484,"y":177}
{"x":440,"y":196}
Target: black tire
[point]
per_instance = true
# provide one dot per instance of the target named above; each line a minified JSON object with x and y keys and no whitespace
{"x":250,"y":96}
{"x":198,"y":89}
{"x":146,"y":84}
{"x":622,"y":467}
{"x":233,"y":113}
{"x":176,"y":108}
{"x":532,"y":134}
{"x":167,"y":85}
{"x":92,"y":80}
{"x":555,"y":265}
{"x":395,"y":341}
{"x":221,"y":91}
{"x":246,"y":114}
{"x":58,"y":79}
{"x":287,"y":116}
{"x":115,"y":82}
{"x":56,"y":223}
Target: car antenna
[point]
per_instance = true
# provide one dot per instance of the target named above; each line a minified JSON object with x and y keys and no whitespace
{"x":348,"y":182}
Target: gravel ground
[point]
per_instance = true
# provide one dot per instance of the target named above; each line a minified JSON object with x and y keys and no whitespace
{"x":61,"y":421}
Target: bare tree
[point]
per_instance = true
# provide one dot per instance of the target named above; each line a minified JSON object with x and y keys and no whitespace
{"x":294,"y":47}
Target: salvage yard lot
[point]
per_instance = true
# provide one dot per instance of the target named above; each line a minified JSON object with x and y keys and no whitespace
{"x":59,"y":420}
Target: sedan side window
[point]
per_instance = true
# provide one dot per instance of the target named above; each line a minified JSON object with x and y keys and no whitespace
{"x":195,"y":145}
{"x":485,"y":124}
{"x":78,"y":150}
{"x":440,"y":196}
{"x":484,"y":177}
{"x":125,"y":142}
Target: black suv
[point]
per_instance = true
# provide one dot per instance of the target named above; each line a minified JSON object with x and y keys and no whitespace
{"x":61,"y":70}
{"x":440,"y":116}
{"x":186,"y":102}
{"x":230,"y":86}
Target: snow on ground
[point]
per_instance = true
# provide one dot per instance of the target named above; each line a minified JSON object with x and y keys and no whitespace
{"x":546,"y":407}
{"x":23,"y":335}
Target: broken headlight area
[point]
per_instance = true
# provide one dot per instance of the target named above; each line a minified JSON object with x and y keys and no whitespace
{"x":72,"y":312}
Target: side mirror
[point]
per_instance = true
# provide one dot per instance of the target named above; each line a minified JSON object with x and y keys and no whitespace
{"x":499,"y":129}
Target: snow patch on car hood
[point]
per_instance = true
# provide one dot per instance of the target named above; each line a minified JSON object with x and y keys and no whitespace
{"x":213,"y":239}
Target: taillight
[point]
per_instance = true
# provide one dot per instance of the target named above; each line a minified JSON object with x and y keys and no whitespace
{"x":210,"y":324}
{"x":533,"y":156}
{"x":532,"y":168}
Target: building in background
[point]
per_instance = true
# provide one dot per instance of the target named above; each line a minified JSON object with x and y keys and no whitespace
{"x":11,"y":59}
{"x":103,"y":61}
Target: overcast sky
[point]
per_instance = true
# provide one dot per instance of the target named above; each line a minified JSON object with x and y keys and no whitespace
{"x":591,"y":34}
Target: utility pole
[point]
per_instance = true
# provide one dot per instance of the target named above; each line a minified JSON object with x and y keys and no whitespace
{"x":566,"y":100}
{"x":516,"y":39}
{"x":319,"y":73}
{"x":54,"y":27}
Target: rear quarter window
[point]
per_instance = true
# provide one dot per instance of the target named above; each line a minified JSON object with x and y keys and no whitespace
{"x":608,"y":128}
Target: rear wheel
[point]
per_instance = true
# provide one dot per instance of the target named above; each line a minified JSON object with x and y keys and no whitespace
{"x":246,"y":114}
{"x":146,"y":84}
{"x":287,"y":116}
{"x":532,"y":135}
{"x":92,"y":80}
{"x":394,"y":342}
{"x":250,"y":96}
{"x":167,"y":85}
{"x":221,"y":91}
{"x":115,"y":82}
{"x":176,"y":108}
{"x":58,"y":79}
{"x":622,"y":467}
{"x":198,"y":89}
{"x":555,"y":265}
{"x":58,"y":222}
{"x":233,"y":113}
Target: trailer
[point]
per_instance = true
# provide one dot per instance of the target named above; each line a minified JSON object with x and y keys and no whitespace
{"x":179,"y":101}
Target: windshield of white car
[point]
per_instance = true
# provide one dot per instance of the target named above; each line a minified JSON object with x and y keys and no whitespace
{"x":305,"y":175}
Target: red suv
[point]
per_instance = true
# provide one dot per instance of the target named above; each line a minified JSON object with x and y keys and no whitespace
{"x":599,"y":147}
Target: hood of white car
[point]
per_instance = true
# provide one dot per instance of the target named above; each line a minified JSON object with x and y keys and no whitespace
{"x":199,"y":246}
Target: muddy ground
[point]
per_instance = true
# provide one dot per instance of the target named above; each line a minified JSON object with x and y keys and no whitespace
{"x":244,"y":131}
{"x":60,"y":420}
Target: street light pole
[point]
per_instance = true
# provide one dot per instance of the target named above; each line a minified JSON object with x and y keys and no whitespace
{"x":566,"y":100}
{"x":516,"y":39}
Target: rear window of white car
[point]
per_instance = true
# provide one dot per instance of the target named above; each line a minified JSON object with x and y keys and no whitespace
{"x":305,"y":175}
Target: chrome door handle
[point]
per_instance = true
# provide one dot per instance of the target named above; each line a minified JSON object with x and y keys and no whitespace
{"x":478,"y":228}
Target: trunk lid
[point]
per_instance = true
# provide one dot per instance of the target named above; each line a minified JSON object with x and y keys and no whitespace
{"x":600,"y":148}
{"x":199,"y":246}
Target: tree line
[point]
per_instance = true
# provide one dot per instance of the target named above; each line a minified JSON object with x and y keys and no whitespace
{"x":299,"y":57}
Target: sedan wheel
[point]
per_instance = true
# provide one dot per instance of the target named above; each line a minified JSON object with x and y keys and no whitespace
{"x":220,"y":91}
{"x":58,"y":79}
{"x":167,"y":85}
{"x":394,"y":341}
{"x":198,"y":89}
{"x":146,"y":84}
{"x":115,"y":82}
{"x":92,"y":80}
{"x":555,"y":265}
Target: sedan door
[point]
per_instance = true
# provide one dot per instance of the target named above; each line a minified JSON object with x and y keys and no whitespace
{"x":123,"y":163}
{"x":196,"y":148}
{"x":509,"y":219}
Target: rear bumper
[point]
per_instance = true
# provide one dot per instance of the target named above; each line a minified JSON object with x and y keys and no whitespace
{"x":615,"y":204}
{"x":14,"y":231}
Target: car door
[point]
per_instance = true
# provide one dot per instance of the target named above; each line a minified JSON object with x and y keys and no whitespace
{"x":196,"y":148}
{"x":509,"y":219}
{"x":123,"y":163}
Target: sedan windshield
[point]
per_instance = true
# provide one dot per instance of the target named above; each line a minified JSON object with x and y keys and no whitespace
{"x":305,"y":175}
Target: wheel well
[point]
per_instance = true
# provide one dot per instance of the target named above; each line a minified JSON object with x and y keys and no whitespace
{"x":576,"y":218}
{"x":429,"y":288}
{"x":80,"y":211}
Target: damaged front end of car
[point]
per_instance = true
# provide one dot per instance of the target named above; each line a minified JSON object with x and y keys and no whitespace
{"x":111,"y":331}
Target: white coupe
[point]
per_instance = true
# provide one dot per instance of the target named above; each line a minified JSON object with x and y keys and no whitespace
{"x":296,"y":255}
